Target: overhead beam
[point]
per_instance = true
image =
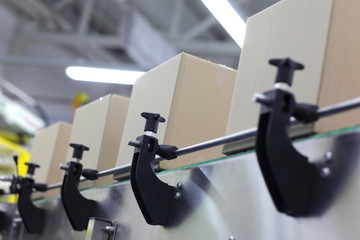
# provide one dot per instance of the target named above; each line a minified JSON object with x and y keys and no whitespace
{"x":45,"y":62}
{"x":175,"y":21}
{"x":70,"y":39}
{"x":199,"y":28}
{"x":86,"y":11}
{"x":202,"y":47}
{"x":61,"y":4}
{"x":208,"y":47}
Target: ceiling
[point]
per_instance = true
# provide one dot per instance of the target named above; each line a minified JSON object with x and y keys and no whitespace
{"x":131,"y":34}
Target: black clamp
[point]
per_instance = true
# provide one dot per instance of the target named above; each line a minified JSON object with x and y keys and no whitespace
{"x":297,"y":187}
{"x":155,"y":198}
{"x":78,"y":209}
{"x":32,"y":216}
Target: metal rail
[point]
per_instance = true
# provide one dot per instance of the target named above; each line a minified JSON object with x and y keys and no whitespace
{"x":322,"y":112}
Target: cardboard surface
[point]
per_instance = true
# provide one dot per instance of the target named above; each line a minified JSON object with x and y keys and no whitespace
{"x":193,"y":95}
{"x":310,"y":32}
{"x":99,"y":125}
{"x":49,"y":151}
{"x":341,"y":73}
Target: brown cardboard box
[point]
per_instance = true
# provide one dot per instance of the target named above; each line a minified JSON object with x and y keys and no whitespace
{"x":323,"y":35}
{"x":193,"y":95}
{"x":49,"y":151}
{"x":99,"y":126}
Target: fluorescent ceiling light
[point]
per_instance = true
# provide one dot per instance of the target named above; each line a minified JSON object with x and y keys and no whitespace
{"x":228,"y":18}
{"x":103,"y":75}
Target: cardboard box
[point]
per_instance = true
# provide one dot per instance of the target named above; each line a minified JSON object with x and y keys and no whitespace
{"x":49,"y":151}
{"x":99,"y":125}
{"x":193,"y":95}
{"x":321,"y":34}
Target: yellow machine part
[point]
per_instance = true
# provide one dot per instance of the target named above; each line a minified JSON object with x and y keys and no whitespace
{"x":7,"y":165}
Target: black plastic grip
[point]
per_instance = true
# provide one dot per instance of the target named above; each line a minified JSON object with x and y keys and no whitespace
{"x":78,"y":150}
{"x":152,"y":121}
{"x":90,"y":174}
{"x":306,"y":113}
{"x":31,"y":168}
{"x":167,"y":151}
{"x":40,"y":187}
{"x":286,"y":68}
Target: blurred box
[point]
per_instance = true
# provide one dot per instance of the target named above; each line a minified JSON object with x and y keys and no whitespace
{"x":49,"y":151}
{"x":324,"y":36}
{"x":99,"y":125}
{"x":193,"y":95}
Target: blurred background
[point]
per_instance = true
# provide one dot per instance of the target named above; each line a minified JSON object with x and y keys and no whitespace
{"x":39,"y":39}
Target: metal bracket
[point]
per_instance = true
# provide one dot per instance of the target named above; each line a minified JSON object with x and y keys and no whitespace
{"x":155,"y":198}
{"x":78,"y":209}
{"x":297,"y":187}
{"x":100,"y":229}
{"x":32,"y":216}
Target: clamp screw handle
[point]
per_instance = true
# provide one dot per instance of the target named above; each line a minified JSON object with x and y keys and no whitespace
{"x":78,"y":150}
{"x":152,"y":121}
{"x":40,"y":187}
{"x":286,"y":68}
{"x":16,"y":161}
{"x":31,"y":168}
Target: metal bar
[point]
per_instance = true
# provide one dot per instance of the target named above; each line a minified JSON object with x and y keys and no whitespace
{"x":53,"y":186}
{"x":47,"y":62}
{"x":199,"y":28}
{"x":122,"y":168}
{"x":175,"y":22}
{"x":61,"y":4}
{"x":227,"y":48}
{"x":6,"y":178}
{"x":110,"y":41}
{"x":339,"y":107}
{"x":322,"y":112}
{"x":17,"y":92}
{"x":86,"y":11}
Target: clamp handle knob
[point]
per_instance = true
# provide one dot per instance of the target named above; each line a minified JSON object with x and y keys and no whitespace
{"x":167,"y":151}
{"x":78,"y":150}
{"x":31,"y":168}
{"x":40,"y":187}
{"x":286,"y":68}
{"x":152,"y":121}
{"x":90,"y":174}
{"x":16,"y":161}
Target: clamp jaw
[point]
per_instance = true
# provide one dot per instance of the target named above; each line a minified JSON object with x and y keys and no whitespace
{"x":297,"y":187}
{"x":155,"y":198}
{"x":32,"y":216}
{"x":78,"y":209}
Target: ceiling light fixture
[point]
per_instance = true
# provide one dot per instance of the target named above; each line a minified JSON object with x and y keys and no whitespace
{"x":103,"y":75}
{"x":228,"y":18}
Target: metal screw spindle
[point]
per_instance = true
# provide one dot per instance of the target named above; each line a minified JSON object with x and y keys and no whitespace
{"x":110,"y":229}
{"x":328,"y":157}
{"x":261,"y":98}
{"x":325,"y":172}
{"x":177,"y":196}
{"x":134,"y":143}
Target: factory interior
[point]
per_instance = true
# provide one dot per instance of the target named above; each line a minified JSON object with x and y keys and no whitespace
{"x":179,"y":119}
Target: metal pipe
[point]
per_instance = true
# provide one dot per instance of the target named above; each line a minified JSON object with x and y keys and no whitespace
{"x":339,"y":107}
{"x":322,"y":112}
{"x":6,"y":178}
